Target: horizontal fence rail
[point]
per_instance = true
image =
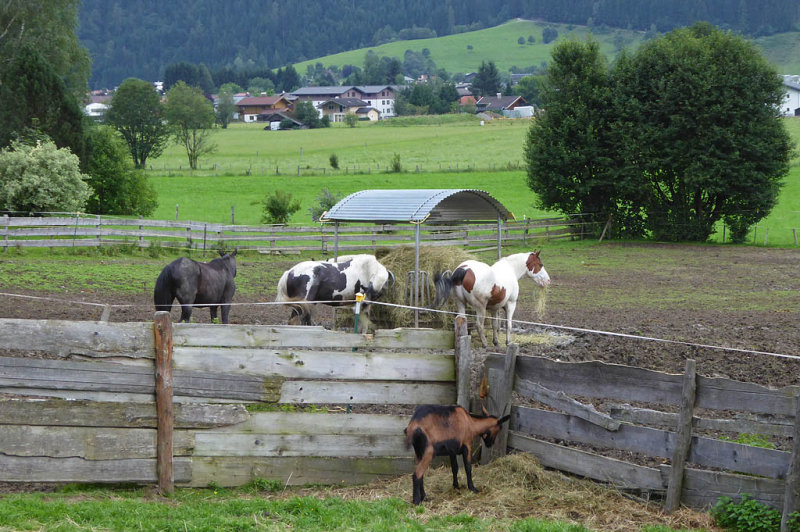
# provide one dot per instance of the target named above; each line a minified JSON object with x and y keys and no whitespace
{"x":95,"y":231}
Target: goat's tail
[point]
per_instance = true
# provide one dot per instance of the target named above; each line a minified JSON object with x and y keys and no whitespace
{"x":416,"y":438}
{"x":162,"y":293}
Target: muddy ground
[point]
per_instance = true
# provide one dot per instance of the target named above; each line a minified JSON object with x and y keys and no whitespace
{"x":742,"y":298}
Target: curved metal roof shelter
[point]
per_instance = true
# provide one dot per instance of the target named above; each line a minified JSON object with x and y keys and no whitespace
{"x":417,"y":206}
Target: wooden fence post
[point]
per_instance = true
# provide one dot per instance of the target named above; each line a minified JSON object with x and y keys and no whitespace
{"x":162,"y":329}
{"x":463,"y":358}
{"x":5,"y":233}
{"x":683,"y":436}
{"x":502,"y":400}
{"x":793,"y":475}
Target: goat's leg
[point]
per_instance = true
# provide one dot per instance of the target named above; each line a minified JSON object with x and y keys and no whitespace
{"x":466,"y":456}
{"x":454,"y":466}
{"x":422,"y":465}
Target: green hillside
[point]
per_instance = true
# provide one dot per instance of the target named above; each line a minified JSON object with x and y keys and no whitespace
{"x":500,"y":44}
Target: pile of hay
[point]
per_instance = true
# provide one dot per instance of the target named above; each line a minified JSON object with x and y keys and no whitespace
{"x":401,"y":263}
{"x":516,"y":487}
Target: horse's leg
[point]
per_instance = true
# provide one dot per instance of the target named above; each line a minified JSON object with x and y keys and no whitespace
{"x":510,"y":307}
{"x":213,"y":310}
{"x":225,"y":310}
{"x":495,"y":326}
{"x":186,"y":308}
{"x":480,"y":317}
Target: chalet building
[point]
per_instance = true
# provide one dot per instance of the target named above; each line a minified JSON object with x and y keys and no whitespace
{"x":379,"y":97}
{"x":500,"y":104}
{"x":337,"y":108}
{"x":251,"y":107}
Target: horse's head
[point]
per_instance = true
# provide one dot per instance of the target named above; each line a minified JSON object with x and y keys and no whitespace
{"x":230,"y":260}
{"x":536,"y":269}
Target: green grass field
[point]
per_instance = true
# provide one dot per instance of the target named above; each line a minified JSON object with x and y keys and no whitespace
{"x":454,"y":153}
{"x":499,"y":44}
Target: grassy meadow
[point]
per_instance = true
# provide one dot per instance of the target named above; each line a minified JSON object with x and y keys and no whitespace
{"x":447,"y":152}
{"x":499,"y":44}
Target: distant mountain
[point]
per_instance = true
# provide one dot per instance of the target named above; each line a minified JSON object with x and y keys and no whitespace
{"x":138,"y":38}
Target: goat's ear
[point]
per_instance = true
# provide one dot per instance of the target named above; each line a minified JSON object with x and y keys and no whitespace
{"x":485,"y":412}
{"x":503,"y":419}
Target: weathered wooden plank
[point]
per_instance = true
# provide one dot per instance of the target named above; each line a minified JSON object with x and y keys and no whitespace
{"x":44,"y":469}
{"x":319,"y":423}
{"x":96,"y":339}
{"x":282,"y":336}
{"x":333,"y":445}
{"x":318,"y":364}
{"x":91,"y":443}
{"x":566,"y":404}
{"x":123,"y":378}
{"x":301,"y":391}
{"x":701,"y":489}
{"x":82,"y":413}
{"x":646,"y":416}
{"x":616,"y":472}
{"x":653,"y":442}
{"x":296,"y":471}
{"x":720,"y":394}
{"x":597,"y":379}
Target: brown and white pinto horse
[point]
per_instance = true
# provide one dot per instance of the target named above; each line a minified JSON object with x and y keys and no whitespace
{"x":490,"y":288}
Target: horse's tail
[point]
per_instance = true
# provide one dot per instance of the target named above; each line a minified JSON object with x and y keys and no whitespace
{"x":162,"y":293}
{"x":443,"y":281}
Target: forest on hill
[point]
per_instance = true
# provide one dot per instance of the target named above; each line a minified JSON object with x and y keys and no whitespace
{"x":139,"y":38}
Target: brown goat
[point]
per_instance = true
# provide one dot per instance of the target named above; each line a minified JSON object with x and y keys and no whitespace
{"x":436,"y":430}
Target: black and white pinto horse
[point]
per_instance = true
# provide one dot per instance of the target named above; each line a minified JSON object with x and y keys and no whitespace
{"x":330,"y":282}
{"x":490,"y":288}
{"x":200,"y":284}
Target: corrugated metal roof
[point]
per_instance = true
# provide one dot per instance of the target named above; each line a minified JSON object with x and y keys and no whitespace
{"x":417,"y":205}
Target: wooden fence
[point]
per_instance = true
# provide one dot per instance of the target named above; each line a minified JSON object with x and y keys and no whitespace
{"x":674,"y":421}
{"x":95,"y":231}
{"x":77,"y":401}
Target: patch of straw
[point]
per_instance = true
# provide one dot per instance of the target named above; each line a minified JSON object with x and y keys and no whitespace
{"x":517,"y":487}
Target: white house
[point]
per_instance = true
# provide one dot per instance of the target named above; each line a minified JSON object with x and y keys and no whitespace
{"x":96,"y":110}
{"x":791,"y":102}
{"x":380,"y":97}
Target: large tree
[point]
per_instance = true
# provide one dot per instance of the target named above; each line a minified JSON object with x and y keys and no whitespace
{"x":700,"y":132}
{"x":138,"y":114}
{"x":34,"y":100}
{"x":674,"y":138}
{"x":191,"y":118}
{"x":47,"y":26}
{"x":487,"y":80}
{"x":571,"y":162}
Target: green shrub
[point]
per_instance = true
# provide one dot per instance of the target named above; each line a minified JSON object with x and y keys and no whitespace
{"x":325,"y":200}
{"x":749,"y":515}
{"x":395,"y":166}
{"x":278,"y":208}
{"x":334,"y":159}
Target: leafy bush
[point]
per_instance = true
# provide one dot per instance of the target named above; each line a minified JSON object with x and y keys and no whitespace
{"x":41,"y":178}
{"x":325,"y":200}
{"x":334,"y":160}
{"x":395,"y":166}
{"x":278,"y":208}
{"x":749,"y":515}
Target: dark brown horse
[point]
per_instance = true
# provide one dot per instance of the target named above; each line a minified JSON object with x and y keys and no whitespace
{"x":197,"y":284}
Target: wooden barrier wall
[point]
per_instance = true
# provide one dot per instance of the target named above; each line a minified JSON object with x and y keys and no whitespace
{"x":77,"y":401}
{"x":94,"y":231}
{"x":654,"y":428}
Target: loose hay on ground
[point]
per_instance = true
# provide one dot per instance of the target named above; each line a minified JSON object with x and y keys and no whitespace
{"x":517,"y":487}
